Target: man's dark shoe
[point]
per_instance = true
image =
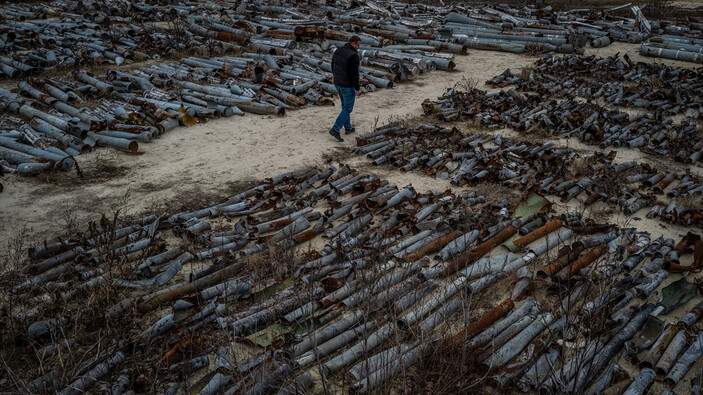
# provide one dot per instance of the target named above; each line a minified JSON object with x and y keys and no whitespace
{"x":349,"y":131}
{"x":336,"y":135}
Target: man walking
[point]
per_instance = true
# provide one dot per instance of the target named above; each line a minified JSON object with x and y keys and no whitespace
{"x":345,"y":69}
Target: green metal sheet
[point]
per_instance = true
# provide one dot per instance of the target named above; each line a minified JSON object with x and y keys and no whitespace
{"x":676,"y":294}
{"x":533,"y":204}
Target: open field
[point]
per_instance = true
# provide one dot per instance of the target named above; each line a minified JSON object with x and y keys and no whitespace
{"x":254,"y":253}
{"x":206,"y":160}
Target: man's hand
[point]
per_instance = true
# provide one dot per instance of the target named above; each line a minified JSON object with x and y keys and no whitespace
{"x":357,"y":92}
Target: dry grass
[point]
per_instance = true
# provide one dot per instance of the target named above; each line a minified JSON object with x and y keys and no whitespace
{"x":448,"y":370}
{"x":691,"y":202}
{"x":495,"y":192}
{"x":195,"y":197}
{"x":603,"y":213}
{"x":579,"y":167}
{"x":468,"y":83}
{"x":103,"y":167}
{"x":275,"y":265}
{"x":85,"y":308}
{"x":339,"y":154}
{"x":12,"y":270}
{"x":525,"y":72}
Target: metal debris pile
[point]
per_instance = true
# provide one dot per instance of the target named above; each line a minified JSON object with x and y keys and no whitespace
{"x":615,"y":81}
{"x":214,"y":262}
{"x":589,"y":122}
{"x":686,"y":48}
{"x":64,"y":34}
{"x":524,"y":165}
{"x":465,"y":160}
{"x":328,"y":278}
{"x":39,"y":37}
{"x":45,"y":37}
{"x":555,"y":105}
{"x":232,"y":297}
{"x":48,"y":123}
{"x":261,"y":58}
{"x":541,"y":29}
{"x":262,"y":65}
{"x":397,"y":271}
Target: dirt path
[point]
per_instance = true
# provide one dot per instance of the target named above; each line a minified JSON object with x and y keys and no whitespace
{"x":213,"y":159}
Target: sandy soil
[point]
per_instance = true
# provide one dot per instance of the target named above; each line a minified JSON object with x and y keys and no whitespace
{"x":687,"y":4}
{"x":213,"y":159}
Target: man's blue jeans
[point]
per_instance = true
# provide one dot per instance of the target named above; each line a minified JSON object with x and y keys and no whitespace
{"x":347,"y":96}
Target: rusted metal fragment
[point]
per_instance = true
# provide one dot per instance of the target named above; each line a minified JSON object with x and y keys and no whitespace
{"x":570,"y":254}
{"x":485,"y":321}
{"x":433,"y":246}
{"x":196,"y":285}
{"x":543,"y":231}
{"x":470,"y":257}
{"x":651,"y":357}
{"x":580,"y":263}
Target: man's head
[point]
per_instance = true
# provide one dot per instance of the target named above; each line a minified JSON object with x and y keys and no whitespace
{"x":355,"y":42}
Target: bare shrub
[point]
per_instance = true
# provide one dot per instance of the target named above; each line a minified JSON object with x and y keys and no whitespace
{"x":468,"y":83}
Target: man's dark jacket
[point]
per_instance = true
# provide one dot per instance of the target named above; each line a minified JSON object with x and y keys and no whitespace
{"x":345,"y":67}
